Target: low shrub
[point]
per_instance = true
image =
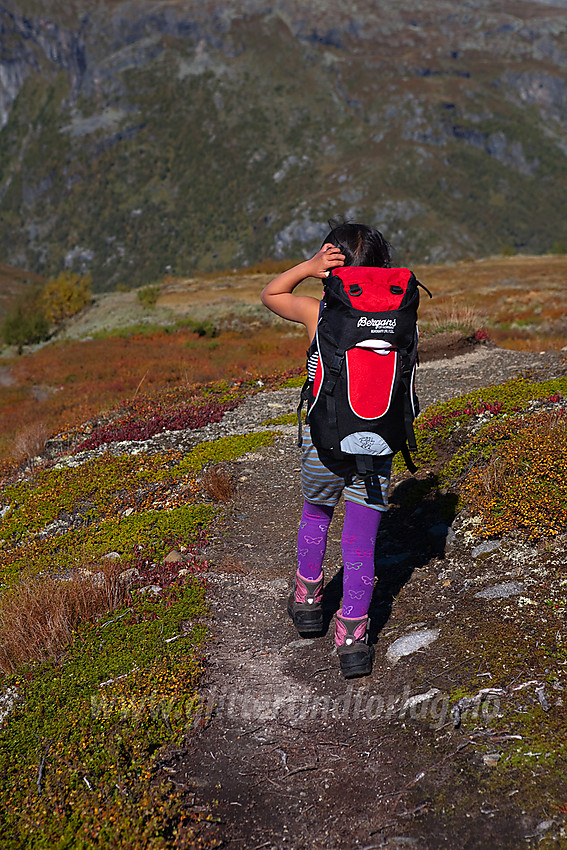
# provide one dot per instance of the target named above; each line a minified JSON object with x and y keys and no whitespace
{"x":80,"y":748}
{"x":148,"y":296}
{"x":190,"y":416}
{"x":223,"y":449}
{"x":66,"y":295}
{"x":26,"y":322}
{"x":205,"y":328}
{"x":439,"y":423}
{"x":503,"y":450}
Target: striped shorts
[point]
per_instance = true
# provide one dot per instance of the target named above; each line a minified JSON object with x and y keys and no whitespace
{"x":323,"y":479}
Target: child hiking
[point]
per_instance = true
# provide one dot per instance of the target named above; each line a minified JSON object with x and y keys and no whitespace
{"x":336,"y":457}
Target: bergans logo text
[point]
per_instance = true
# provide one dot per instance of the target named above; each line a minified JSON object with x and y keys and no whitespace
{"x":387,"y":326}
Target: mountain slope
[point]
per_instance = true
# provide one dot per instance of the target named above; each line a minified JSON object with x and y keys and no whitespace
{"x":140,"y":138}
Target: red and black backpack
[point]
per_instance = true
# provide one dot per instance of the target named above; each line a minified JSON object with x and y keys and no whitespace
{"x":361,"y":399}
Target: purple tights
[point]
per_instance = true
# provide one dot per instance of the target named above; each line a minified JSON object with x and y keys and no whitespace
{"x":357,"y":542}
{"x":312,"y":539}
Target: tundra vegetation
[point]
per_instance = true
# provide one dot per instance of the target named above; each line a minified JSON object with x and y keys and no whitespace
{"x":103,"y":636}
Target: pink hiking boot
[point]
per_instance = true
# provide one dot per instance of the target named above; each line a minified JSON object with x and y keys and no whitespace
{"x":304,"y":604}
{"x":354,"y":651}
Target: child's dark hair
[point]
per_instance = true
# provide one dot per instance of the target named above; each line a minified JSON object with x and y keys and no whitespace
{"x":361,"y":245}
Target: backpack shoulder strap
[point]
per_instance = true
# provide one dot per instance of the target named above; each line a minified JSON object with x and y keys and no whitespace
{"x":304,"y":396}
{"x":307,"y":387}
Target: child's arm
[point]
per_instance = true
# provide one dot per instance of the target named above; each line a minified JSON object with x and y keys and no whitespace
{"x":278,"y":295}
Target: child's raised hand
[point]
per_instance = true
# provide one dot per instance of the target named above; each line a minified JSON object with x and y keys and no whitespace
{"x":278,"y":296}
{"x":329,"y":257}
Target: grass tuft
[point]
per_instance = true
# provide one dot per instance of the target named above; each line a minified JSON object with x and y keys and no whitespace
{"x":30,"y":441}
{"x":218,"y":484}
{"x":41,"y":613}
{"x":453,"y":316}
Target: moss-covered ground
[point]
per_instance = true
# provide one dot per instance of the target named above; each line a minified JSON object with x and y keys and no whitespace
{"x":86,"y":723}
{"x":502,"y":450}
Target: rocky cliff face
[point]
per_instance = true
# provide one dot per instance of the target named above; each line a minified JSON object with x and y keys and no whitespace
{"x":139,"y":138}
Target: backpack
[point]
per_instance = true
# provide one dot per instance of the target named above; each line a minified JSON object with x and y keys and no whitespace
{"x":361,"y":400}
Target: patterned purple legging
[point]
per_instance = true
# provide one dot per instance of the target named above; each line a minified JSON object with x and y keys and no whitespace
{"x":357,"y":543}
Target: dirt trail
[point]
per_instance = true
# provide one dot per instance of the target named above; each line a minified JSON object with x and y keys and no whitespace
{"x":289,"y":754}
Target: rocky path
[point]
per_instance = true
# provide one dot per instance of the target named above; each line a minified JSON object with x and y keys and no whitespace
{"x":289,"y":754}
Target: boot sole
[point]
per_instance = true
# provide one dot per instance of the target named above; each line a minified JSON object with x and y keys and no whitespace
{"x":305,"y":621}
{"x":356,"y":663}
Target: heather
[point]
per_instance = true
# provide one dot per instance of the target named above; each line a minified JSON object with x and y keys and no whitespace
{"x":104,"y":639}
{"x":80,"y":749}
{"x":64,"y":385}
{"x":168,"y":354}
{"x":103,"y":632}
{"x":520,"y":483}
{"x":191,"y":416}
{"x":501,"y":451}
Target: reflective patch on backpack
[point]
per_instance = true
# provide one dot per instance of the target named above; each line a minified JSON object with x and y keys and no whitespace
{"x":412,"y":396}
{"x":318,"y":379}
{"x":365,"y":443}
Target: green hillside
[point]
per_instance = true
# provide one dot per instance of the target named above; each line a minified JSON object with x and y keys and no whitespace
{"x":142,"y":139}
